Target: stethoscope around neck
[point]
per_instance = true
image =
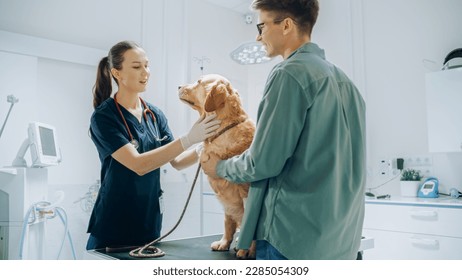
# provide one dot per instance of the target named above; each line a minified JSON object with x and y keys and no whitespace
{"x":146,"y":110}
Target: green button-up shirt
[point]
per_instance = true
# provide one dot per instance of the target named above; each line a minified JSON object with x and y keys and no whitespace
{"x":306,"y":163}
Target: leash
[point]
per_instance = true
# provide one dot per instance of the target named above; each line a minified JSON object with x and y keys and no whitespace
{"x":150,"y":251}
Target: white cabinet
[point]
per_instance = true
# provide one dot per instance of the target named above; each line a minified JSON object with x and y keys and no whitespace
{"x":414,"y":229}
{"x":444,"y":110}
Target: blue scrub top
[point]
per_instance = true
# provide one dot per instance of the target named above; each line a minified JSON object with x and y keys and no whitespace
{"x":127,"y":210}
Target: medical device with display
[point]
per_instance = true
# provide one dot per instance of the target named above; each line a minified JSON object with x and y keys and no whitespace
{"x":43,"y":143}
{"x":429,"y":188}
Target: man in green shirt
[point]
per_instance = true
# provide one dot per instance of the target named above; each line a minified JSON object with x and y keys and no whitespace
{"x":306,"y":163}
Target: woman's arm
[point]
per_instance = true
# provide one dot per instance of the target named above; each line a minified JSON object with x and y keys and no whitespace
{"x":146,"y":162}
{"x":185,"y":159}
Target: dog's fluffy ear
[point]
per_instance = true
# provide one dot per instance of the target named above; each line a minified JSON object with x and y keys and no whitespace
{"x":216,"y":99}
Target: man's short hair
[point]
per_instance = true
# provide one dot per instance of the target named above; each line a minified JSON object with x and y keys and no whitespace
{"x":303,"y":12}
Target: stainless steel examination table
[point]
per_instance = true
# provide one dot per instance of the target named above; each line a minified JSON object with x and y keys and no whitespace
{"x":196,"y":248}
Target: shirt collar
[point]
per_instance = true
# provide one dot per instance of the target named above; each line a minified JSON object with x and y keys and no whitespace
{"x":309,"y":48}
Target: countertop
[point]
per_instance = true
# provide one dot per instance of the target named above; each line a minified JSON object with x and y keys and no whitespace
{"x":442,"y":201}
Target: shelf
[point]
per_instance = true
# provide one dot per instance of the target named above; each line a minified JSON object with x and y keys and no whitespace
{"x":9,"y":171}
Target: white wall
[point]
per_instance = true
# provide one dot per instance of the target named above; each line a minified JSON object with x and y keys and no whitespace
{"x":95,"y":24}
{"x":14,"y":71}
{"x":398,"y":37}
{"x":68,"y":106}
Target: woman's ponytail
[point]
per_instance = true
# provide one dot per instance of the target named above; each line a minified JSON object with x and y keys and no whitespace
{"x":103,"y":86}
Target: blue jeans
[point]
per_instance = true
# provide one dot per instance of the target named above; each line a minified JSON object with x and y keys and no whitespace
{"x":266,"y":251}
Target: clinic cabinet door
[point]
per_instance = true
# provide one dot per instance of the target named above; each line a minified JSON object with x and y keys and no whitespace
{"x":444,"y":110}
{"x":411,"y":232}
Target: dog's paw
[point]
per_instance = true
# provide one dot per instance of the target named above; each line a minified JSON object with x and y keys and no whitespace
{"x":221,"y":245}
{"x":245,"y":254}
{"x":249,"y":254}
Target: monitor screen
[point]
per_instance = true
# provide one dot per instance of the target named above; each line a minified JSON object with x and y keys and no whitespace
{"x":428,"y":186}
{"x":48,"y":141}
{"x":43,"y":145}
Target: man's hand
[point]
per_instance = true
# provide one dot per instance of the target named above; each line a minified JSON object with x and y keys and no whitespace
{"x":209,"y":165}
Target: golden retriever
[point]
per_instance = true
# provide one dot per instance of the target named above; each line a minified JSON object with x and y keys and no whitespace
{"x":214,"y":93}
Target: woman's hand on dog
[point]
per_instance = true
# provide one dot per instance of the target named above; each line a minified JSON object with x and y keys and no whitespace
{"x":204,"y":128}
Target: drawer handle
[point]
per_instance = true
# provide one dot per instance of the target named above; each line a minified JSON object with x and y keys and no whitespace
{"x":424,"y":242}
{"x":424,"y":214}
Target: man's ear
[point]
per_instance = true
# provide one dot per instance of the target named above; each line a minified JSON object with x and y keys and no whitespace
{"x":288,"y":25}
{"x":216,"y":98}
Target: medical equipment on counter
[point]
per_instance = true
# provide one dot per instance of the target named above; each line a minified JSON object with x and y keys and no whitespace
{"x":369,"y":189}
{"x":455,"y":193}
{"x":43,"y":143}
{"x":10,"y":99}
{"x":155,"y":133}
{"x":429,"y":188}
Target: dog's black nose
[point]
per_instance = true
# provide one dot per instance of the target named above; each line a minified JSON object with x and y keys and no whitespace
{"x":179,"y":87}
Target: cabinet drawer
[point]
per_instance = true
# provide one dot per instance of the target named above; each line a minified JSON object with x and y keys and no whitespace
{"x":413,"y":219}
{"x":410,"y":246}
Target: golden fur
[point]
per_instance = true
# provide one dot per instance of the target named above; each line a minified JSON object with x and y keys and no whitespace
{"x":214,"y":93}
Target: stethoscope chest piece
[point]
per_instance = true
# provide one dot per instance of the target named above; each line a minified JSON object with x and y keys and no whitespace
{"x":135,"y":143}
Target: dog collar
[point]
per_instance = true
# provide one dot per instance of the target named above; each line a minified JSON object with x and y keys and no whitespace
{"x":210,"y":139}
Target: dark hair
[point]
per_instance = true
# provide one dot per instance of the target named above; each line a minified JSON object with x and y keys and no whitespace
{"x":103,"y":86}
{"x":303,"y":12}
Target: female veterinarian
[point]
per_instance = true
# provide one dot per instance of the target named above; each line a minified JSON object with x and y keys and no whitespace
{"x":133,"y":140}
